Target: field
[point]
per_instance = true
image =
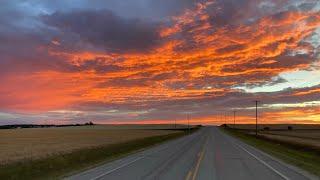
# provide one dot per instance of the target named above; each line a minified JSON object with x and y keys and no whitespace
{"x":52,"y":153}
{"x":34,"y":143}
{"x":300,"y":135}
{"x":310,"y":139}
{"x":277,"y":126}
{"x":309,"y":134}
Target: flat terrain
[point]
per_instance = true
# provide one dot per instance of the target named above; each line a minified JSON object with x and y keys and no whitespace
{"x":307,"y":135}
{"x":310,"y":134}
{"x":34,"y":143}
{"x":307,"y":138}
{"x":277,"y":126}
{"x":300,"y":135}
{"x":206,"y":154}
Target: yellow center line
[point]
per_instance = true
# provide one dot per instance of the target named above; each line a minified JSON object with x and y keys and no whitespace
{"x":189,"y":175}
{"x":201,"y":154}
{"x":197,"y":166}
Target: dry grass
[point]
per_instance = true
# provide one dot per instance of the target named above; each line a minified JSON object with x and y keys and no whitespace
{"x":308,"y":138}
{"x":277,"y":126}
{"x":302,"y":135}
{"x":18,"y":144}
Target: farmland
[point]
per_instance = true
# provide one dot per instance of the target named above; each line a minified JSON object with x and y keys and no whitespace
{"x":302,"y":135}
{"x":35,"y":143}
{"x":309,"y":139}
{"x":277,"y":126}
{"x":40,"y":153}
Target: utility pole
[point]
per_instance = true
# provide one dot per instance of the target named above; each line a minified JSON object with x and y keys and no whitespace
{"x":256,"y":117}
{"x":175,"y":123}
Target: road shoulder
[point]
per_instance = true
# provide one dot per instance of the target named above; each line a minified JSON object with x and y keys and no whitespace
{"x":257,"y":145}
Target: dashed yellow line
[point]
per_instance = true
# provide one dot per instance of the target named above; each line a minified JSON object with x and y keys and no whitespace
{"x":201,"y":154}
{"x":198,"y":165}
{"x":189,"y":175}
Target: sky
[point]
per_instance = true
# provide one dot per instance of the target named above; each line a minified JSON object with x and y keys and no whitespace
{"x":151,"y":61}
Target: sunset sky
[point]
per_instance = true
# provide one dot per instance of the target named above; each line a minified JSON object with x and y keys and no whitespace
{"x":154,"y":61}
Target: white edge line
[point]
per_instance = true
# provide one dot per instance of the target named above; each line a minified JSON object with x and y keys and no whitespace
{"x":263,"y":162}
{"x":126,"y":164}
{"x":119,"y":167}
{"x":289,"y":166}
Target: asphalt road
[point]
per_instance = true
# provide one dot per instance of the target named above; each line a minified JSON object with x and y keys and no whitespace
{"x":206,"y":154}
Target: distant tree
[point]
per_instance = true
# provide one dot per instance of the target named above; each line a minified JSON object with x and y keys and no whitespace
{"x":290,"y":128}
{"x":224,"y":125}
{"x":266,"y":128}
{"x":89,"y":123}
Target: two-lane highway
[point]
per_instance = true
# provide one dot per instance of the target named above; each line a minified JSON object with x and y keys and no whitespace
{"x":206,"y":154}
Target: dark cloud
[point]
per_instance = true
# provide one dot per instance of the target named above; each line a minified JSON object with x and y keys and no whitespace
{"x":227,"y":13}
{"x":99,"y":66}
{"x":231,"y":48}
{"x":26,"y":51}
{"x":125,"y":82}
{"x":279,"y":62}
{"x":104,"y":29}
{"x":78,"y":54}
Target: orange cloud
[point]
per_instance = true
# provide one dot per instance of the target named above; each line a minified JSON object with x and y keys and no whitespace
{"x":196,"y":59}
{"x":311,"y":91}
{"x":310,"y":115}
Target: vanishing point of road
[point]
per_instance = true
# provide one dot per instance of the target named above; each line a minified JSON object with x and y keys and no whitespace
{"x":207,"y":154}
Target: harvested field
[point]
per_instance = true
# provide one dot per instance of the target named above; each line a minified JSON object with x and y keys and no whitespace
{"x":34,"y":143}
{"x":277,"y":126}
{"x":308,"y":138}
{"x":303,"y":134}
{"x":299,"y":141}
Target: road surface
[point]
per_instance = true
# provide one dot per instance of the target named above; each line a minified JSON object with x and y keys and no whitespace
{"x":206,"y":154}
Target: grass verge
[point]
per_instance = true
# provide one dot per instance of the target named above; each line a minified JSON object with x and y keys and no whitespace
{"x":298,"y":156}
{"x":56,"y":166}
